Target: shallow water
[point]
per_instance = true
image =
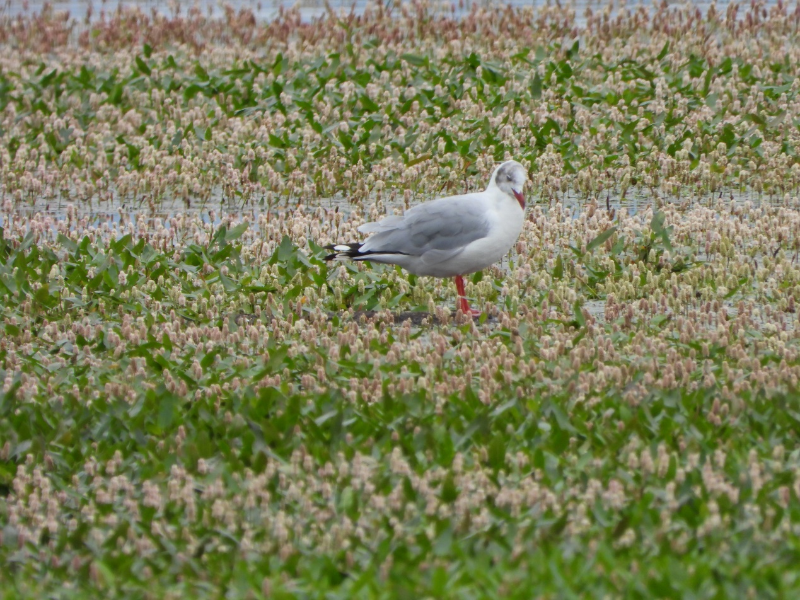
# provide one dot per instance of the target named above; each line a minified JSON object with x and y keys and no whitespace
{"x":634,"y":201}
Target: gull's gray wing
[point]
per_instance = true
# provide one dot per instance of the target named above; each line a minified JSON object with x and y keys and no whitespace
{"x":385,"y":224}
{"x":435,"y":231}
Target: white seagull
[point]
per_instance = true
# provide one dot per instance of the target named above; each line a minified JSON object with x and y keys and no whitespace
{"x":449,"y":237}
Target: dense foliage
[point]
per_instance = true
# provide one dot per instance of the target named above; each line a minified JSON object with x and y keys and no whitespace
{"x":195,"y":403}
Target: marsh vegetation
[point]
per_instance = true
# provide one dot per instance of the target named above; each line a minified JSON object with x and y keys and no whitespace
{"x":194,"y":402}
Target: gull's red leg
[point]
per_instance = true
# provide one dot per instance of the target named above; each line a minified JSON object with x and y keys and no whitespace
{"x":462,"y":298}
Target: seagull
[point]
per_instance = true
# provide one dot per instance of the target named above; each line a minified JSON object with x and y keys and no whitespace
{"x":449,"y":237}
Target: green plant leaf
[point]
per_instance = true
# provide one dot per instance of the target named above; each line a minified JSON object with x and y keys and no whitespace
{"x":600,"y":239}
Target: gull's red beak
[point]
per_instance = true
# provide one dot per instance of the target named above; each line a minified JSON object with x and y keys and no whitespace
{"x":520,"y":198}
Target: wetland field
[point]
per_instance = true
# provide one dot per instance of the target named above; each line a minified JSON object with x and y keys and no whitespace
{"x":195,"y":404}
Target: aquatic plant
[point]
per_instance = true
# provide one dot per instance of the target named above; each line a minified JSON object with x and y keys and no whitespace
{"x":194,"y":402}
{"x":397,"y":103}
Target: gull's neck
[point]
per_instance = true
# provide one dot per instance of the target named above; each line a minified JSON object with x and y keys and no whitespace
{"x":493,"y":187}
{"x":494,"y":190}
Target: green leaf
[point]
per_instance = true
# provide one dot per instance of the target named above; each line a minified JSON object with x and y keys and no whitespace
{"x":558,"y":271}
{"x":418,"y":160}
{"x":657,"y":225}
{"x":142,"y":66}
{"x":415,"y":60}
{"x":657,"y":222}
{"x":536,"y":87}
{"x":236,"y":232}
{"x":191,"y":91}
{"x":577,"y":309}
{"x":449,"y":489}
{"x":67,"y":243}
{"x":201,"y":73}
{"x":497,"y":453}
{"x":600,"y":239}
{"x":166,"y":411}
{"x":572,"y":53}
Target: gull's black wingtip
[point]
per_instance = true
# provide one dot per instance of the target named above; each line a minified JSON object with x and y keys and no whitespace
{"x":343,"y":250}
{"x":353,"y":252}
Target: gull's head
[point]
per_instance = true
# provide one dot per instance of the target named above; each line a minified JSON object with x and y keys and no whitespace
{"x":510,"y":177}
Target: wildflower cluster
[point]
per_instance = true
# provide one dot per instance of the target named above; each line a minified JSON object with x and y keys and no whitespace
{"x":138,"y":108}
